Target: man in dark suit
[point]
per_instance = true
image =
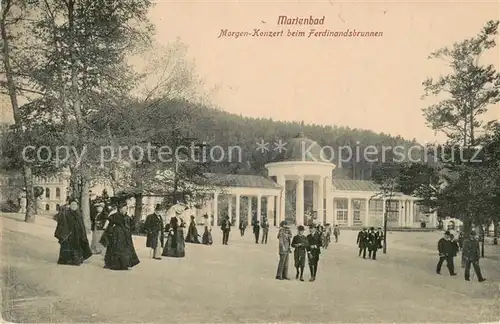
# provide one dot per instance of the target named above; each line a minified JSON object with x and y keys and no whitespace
{"x":313,"y":250}
{"x":256,"y":230}
{"x":446,"y":251}
{"x":471,"y":256}
{"x":265,"y":230}
{"x":361,"y":241}
{"x":372,"y":242}
{"x":155,"y":232}
{"x":226,"y":228}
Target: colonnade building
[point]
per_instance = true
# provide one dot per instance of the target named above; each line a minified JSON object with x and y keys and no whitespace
{"x":295,"y":190}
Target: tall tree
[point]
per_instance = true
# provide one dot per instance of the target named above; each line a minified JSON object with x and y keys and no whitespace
{"x":387,"y":176}
{"x":83,"y":68}
{"x":469,"y":89}
{"x":12,"y":15}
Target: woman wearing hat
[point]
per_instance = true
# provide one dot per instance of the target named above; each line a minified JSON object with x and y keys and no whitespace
{"x":120,"y":252}
{"x":72,"y":236}
{"x":175,"y":246}
{"x":192,"y":233}
{"x":207,"y":234}
{"x":98,"y":219}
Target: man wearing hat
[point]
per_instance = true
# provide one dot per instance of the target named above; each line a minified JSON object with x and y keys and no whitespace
{"x":155,"y":232}
{"x":225,"y":226}
{"x":445,"y":250}
{"x":313,"y":250}
{"x":98,"y":222}
{"x":284,"y":239}
{"x":362,"y":242}
{"x":471,"y":256}
{"x":372,"y":242}
{"x":299,"y":243}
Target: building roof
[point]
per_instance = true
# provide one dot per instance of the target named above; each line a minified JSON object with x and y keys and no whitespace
{"x":355,"y":185}
{"x":241,"y":180}
{"x":300,"y":148}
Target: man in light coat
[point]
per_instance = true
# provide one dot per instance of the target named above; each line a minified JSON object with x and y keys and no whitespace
{"x":284,"y":239}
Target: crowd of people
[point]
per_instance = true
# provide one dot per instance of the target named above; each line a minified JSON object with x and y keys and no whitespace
{"x":112,"y":236}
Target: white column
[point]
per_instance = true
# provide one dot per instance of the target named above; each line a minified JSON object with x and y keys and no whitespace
{"x":238,"y":198}
{"x":320,"y":198}
{"x":315,"y":196}
{"x":278,"y":211}
{"x":270,"y":207}
{"x":330,"y":216}
{"x":63,"y":196}
{"x":249,"y":211}
{"x":282,"y":183}
{"x":299,"y":212}
{"x":411,"y":216}
{"x":230,"y":209}
{"x":401,"y":219}
{"x":366,"y":221}
{"x":433,"y":219}
{"x":349,"y":212}
{"x":259,"y":207}
{"x":216,"y":208}
{"x":407,"y":213}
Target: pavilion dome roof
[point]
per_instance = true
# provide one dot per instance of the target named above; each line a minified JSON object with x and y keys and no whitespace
{"x":296,"y":149}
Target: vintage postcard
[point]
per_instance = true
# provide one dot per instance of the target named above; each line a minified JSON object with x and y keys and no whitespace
{"x":249,"y":161}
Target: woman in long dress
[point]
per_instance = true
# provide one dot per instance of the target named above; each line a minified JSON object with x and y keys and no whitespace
{"x":175,"y":246}
{"x":192,"y":233}
{"x":207,"y":234}
{"x":120,"y":252}
{"x":72,"y":236}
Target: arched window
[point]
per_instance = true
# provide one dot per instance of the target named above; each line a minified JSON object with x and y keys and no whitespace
{"x":47,"y":192}
{"x":58,"y":193}
{"x":47,"y":207}
{"x":57,"y":207}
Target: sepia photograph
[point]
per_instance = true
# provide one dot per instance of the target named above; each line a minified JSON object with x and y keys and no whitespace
{"x":249,"y":161}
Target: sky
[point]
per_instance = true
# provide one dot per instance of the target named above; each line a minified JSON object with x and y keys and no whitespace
{"x":367,"y":83}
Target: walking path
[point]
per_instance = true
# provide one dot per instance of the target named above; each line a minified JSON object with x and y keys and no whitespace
{"x":235,"y":283}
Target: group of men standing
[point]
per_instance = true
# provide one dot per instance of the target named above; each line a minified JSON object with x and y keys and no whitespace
{"x":258,"y":227}
{"x":448,"y":249}
{"x":370,"y":240}
{"x":303,"y":246}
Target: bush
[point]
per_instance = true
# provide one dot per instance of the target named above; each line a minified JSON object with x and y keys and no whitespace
{"x":9,"y":207}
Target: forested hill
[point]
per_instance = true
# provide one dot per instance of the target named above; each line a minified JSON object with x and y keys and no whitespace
{"x":225,"y":129}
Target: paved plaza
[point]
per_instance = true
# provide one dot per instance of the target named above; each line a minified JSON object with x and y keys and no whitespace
{"x":235,"y":283}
